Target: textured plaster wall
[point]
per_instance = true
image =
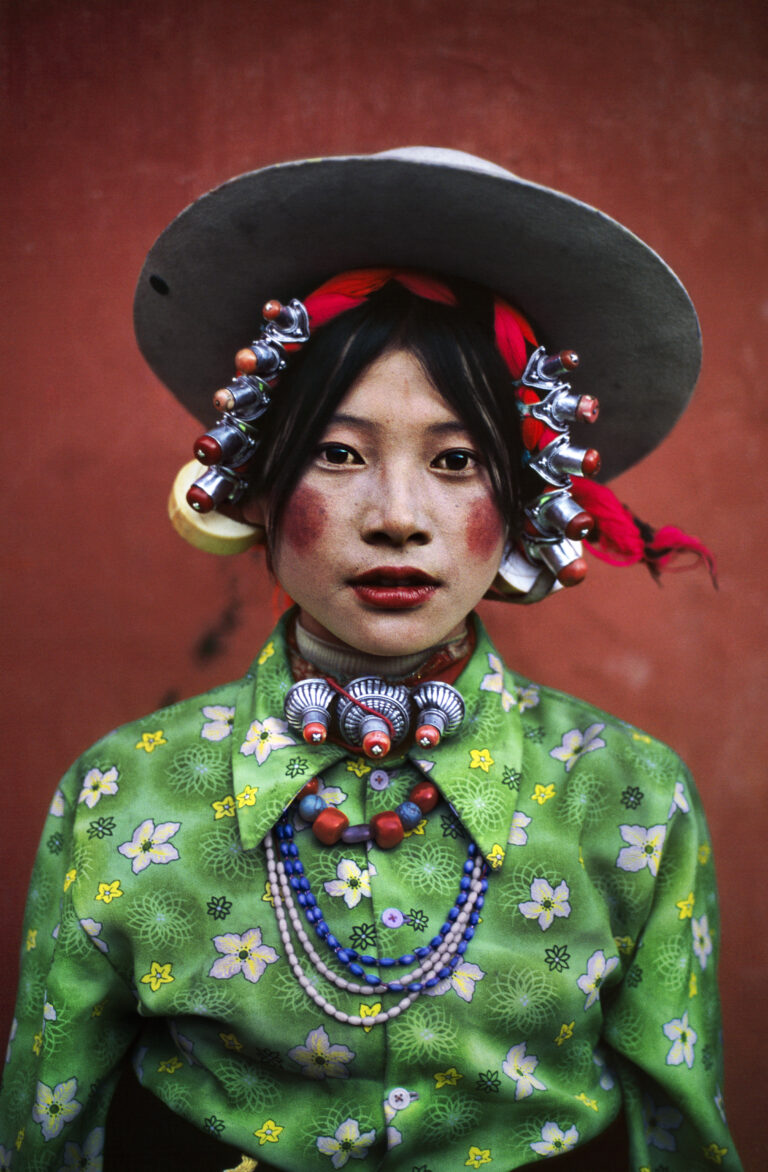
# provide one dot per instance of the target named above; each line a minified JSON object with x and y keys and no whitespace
{"x":117,"y":114}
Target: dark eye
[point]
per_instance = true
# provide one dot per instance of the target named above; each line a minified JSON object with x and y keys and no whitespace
{"x":339,"y":454}
{"x":457,"y":460}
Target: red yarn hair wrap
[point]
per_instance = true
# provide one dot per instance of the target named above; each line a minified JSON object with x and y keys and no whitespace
{"x":618,"y":536}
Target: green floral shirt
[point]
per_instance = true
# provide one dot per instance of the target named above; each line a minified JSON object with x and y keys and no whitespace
{"x":589,"y":986}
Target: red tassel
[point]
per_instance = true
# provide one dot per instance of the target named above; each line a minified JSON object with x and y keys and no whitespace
{"x":621,"y":539}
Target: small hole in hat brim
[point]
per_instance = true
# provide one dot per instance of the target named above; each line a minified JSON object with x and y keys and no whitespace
{"x":159,"y":285}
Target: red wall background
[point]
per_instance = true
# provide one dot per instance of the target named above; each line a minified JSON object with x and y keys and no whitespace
{"x":117,"y":114}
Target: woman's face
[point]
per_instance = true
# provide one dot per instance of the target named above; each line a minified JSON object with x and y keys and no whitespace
{"x":392,"y":534}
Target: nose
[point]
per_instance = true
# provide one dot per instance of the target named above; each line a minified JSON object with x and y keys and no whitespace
{"x":396,"y":514}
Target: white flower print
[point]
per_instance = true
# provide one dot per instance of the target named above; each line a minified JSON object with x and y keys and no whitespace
{"x":351,"y":882}
{"x":644,"y":850}
{"x":241,"y":954}
{"x":659,"y":1123}
{"x":679,"y":800}
{"x":150,"y":845}
{"x":592,"y":980}
{"x":702,"y":941}
{"x":92,"y":928}
{"x":718,"y":1101}
{"x":219,"y":718}
{"x":87,"y":1158}
{"x":57,"y":805}
{"x":55,"y":1106}
{"x":264,"y":738}
{"x":526,"y":697}
{"x":5,"y":1159}
{"x":320,"y":1058}
{"x":607,"y":1079}
{"x":575,"y":744}
{"x":683,"y":1039}
{"x":494,"y":682}
{"x":96,"y":783}
{"x":520,"y":1066}
{"x":462,"y":980}
{"x":517,"y":833}
{"x":546,"y":902}
{"x":554,"y":1141}
{"x":347,"y":1143}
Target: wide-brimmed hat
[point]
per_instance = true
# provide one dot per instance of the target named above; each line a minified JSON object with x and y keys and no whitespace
{"x":582,"y":280}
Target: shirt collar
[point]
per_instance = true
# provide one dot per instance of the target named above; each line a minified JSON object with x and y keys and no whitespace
{"x":477,"y":770}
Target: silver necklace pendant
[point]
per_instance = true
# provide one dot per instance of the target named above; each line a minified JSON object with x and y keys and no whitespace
{"x":374,"y":715}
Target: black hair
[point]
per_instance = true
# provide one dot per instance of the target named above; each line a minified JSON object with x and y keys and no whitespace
{"x":456,"y":348}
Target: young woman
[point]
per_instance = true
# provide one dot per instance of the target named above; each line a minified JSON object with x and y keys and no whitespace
{"x":382,"y":902}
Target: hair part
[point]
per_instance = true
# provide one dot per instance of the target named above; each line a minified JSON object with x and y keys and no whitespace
{"x":456,"y":348}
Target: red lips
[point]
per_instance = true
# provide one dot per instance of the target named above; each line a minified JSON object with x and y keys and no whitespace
{"x":394,"y":587}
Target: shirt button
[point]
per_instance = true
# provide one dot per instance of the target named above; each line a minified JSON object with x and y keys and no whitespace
{"x":392,"y":917}
{"x":399,"y":1098}
{"x":379,"y":779}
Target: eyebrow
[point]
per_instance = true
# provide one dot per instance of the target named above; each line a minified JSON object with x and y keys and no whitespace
{"x":444,"y":427}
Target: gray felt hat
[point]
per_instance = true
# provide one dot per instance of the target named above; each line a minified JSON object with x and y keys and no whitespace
{"x":583,"y":281}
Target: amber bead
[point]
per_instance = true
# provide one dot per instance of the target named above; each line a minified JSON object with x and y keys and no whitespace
{"x":271,"y":310}
{"x":387,"y":829}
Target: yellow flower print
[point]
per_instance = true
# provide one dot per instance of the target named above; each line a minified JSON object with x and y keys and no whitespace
{"x":693,"y":986}
{"x":150,"y":740}
{"x":170,"y":1065}
{"x":224,"y":808}
{"x":542,"y":793}
{"x":714,"y":1153}
{"x":369,"y":1011}
{"x":495,"y":856}
{"x":109,"y":891}
{"x":625,"y":945}
{"x":269,"y":1132}
{"x":478,"y":1156}
{"x":69,"y":878}
{"x":566,"y":1032}
{"x":703,"y":853}
{"x":636,"y":736}
{"x":19,"y":1139}
{"x":159,"y":974}
{"x":480,"y":759}
{"x":446,"y":1078}
{"x":685,"y":906}
{"x":98,"y":1008}
{"x":37,"y":1044}
{"x":31,"y":939}
{"x":418,"y":829}
{"x":266,"y":653}
{"x":231,"y":1041}
{"x":358,"y":767}
{"x":268,"y":897}
{"x":247,"y":796}
{"x":592,"y":1103}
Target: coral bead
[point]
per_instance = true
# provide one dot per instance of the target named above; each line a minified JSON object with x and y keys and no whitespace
{"x":271,"y":310}
{"x":329,"y":825}
{"x":590,"y":465}
{"x":199,"y":500}
{"x":376,"y":743}
{"x":427,"y":736}
{"x":207,"y":450}
{"x":387,"y":829}
{"x":314,"y":732}
{"x":425,"y":795}
{"x":588,"y":409}
{"x":579,"y":526}
{"x":312,"y":786}
{"x":573,"y":573}
{"x":246,"y":361}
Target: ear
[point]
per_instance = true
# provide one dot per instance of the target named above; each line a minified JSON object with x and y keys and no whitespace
{"x":212,"y":532}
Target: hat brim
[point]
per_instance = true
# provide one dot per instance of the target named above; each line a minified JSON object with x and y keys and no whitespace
{"x":584,"y":281}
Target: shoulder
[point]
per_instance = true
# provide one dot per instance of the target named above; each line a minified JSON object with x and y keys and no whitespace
{"x":145,"y":749}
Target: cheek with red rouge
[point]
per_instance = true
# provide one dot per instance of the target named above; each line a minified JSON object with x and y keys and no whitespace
{"x":304,"y":519}
{"x":484,"y":529}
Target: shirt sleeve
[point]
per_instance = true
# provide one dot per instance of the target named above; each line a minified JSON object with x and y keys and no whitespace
{"x":75,"y":1016}
{"x":663,"y":1022}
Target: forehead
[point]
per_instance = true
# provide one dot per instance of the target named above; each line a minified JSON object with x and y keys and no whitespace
{"x":396,"y":389}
